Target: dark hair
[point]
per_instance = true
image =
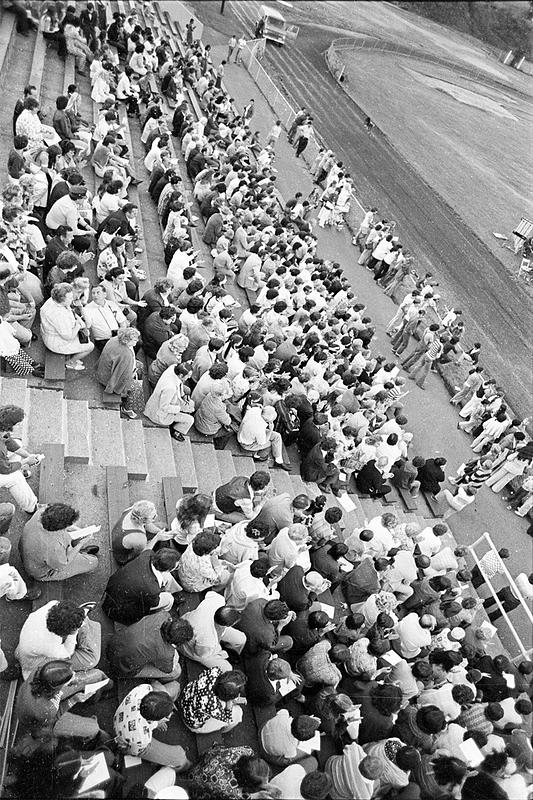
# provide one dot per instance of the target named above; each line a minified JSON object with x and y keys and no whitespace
{"x":448,"y":769}
{"x":274,"y":610}
{"x":156,"y":706}
{"x":10,"y":416}
{"x":304,"y":727}
{"x":259,"y":479}
{"x":251,"y":773}
{"x":65,"y":618}
{"x":407,"y":758}
{"x":176,"y":631}
{"x":205,"y":542}
{"x":49,"y":678}
{"x":61,"y":102}
{"x":462,"y":694}
{"x":259,"y":568}
{"x":317,"y":620}
{"x":164,"y":559}
{"x":482,"y":786}
{"x":315,"y":786}
{"x":430,"y":719}
{"x":337,"y":550}
{"x":58,"y":516}
{"x":494,"y":762}
{"x":386,"y":698}
{"x":523,"y":707}
{"x":333,"y":514}
{"x":229,"y":685}
{"x":494,"y":712}
{"x":167,"y":312}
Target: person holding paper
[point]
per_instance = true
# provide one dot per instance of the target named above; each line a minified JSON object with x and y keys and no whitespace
{"x":14,"y":459}
{"x":141,"y":587}
{"x":143,"y":711}
{"x":281,"y":737}
{"x":149,"y":647}
{"x":130,"y":533}
{"x":49,"y":548}
{"x":45,"y":699}
{"x":354,"y":774}
{"x":249,"y":582}
{"x":213,"y":702}
{"x":212,"y":627}
{"x":299,"y":589}
{"x":62,"y":630}
{"x":241,"y":497}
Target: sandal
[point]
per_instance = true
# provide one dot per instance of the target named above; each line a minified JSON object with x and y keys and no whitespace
{"x":179,"y":437}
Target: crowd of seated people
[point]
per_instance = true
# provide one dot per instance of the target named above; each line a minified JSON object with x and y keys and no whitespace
{"x":360,"y":650}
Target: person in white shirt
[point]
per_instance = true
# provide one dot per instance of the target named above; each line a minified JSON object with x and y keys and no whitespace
{"x":212,"y":623}
{"x":103,"y":318}
{"x":274,"y":134}
{"x":248,"y":584}
{"x":429,"y":539}
{"x":414,"y":634}
{"x":61,"y":630}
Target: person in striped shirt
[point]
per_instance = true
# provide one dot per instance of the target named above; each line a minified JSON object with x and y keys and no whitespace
{"x":420,"y":369}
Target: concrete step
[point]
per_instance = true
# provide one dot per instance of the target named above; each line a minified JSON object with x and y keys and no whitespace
{"x":243,"y":466}
{"x":185,"y":467}
{"x":133,"y":438}
{"x":14,"y":392}
{"x":45,"y":418}
{"x":282,"y":481}
{"x":206,"y":466}
{"x":370,"y":508}
{"x":299,"y":487}
{"x":76,"y":431}
{"x":226,"y":465}
{"x":159,"y":453}
{"x":107,"y":446}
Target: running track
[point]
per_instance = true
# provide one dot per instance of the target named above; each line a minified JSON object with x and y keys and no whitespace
{"x":496,"y":310}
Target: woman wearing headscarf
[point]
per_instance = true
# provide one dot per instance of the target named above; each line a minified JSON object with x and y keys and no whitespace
{"x":169,"y":405}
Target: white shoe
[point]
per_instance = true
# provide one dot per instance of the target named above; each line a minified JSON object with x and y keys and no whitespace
{"x":76,"y":365}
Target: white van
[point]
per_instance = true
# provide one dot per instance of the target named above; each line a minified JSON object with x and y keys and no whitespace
{"x":273,"y":26}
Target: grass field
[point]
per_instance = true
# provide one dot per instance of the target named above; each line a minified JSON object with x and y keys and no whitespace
{"x":469,"y":142}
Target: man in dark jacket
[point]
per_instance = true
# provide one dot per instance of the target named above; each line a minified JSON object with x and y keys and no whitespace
{"x":431,"y":475}
{"x":147,"y":649}
{"x":369,"y":480}
{"x":141,"y":587}
{"x":310,"y":433}
{"x":318,"y":466}
{"x":158,"y":328}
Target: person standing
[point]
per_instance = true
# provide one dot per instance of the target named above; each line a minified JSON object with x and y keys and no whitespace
{"x":274,"y":134}
{"x":298,"y":120}
{"x":420,"y":369}
{"x":232,"y":44}
{"x":304,"y":134}
{"x":508,"y":598}
{"x":241,"y":44}
{"x":491,"y":565}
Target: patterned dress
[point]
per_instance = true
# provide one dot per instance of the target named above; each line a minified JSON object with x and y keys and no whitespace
{"x":212,"y":778}
{"x":199,"y":702}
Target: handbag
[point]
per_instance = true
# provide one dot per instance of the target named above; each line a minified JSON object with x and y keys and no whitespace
{"x":137,"y":401}
{"x":83,"y":337}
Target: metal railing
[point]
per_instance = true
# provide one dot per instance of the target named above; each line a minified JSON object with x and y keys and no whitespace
{"x":486,"y":540}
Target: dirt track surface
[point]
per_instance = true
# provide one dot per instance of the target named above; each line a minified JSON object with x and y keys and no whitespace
{"x":496,"y":309}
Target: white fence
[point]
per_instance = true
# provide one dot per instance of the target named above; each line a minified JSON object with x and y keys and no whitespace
{"x":486,"y":541}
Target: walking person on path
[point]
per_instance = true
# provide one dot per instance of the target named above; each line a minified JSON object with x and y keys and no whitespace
{"x":232,"y":44}
{"x":491,"y":565}
{"x":303,"y":133}
{"x":420,"y":369}
{"x":241,"y":44}
{"x":508,"y":598}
